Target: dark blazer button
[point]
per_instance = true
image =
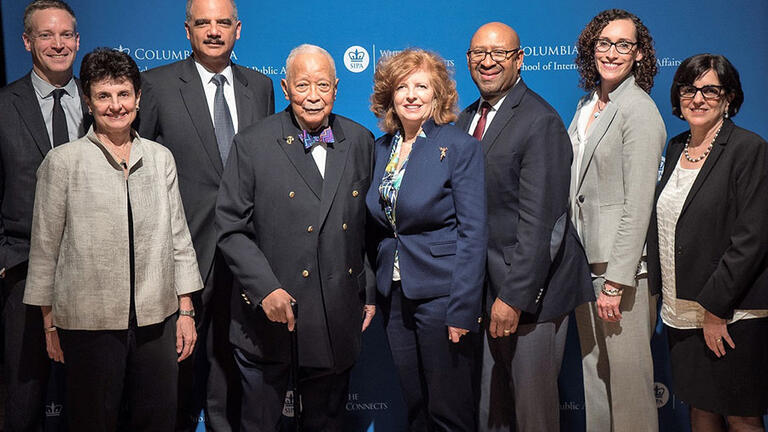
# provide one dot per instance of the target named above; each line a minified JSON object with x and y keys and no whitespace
{"x":581,"y":198}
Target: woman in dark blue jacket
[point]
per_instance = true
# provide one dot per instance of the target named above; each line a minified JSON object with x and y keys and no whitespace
{"x":428,"y":227}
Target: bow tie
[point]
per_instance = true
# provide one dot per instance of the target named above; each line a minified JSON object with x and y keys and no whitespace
{"x":309,"y":139}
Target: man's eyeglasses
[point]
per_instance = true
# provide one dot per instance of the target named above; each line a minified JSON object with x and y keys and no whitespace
{"x":622,"y":46}
{"x":497,"y":55}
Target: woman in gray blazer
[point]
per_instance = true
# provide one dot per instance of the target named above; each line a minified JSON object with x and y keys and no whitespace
{"x":617,"y":136}
{"x":111,"y":261}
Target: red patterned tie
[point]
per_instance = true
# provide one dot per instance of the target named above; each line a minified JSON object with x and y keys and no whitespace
{"x":480,"y":128}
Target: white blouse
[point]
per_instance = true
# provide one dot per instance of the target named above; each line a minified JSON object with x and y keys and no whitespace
{"x":676,"y":312}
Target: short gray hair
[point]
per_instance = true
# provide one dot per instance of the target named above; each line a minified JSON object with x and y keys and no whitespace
{"x":189,"y":8}
{"x":308,"y":49}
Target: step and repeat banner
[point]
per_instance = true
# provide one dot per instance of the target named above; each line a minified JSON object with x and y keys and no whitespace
{"x":359,"y":33}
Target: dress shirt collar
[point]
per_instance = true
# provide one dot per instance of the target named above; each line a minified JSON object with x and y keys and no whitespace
{"x":495,"y":107}
{"x":206,"y":76}
{"x":44,"y":89}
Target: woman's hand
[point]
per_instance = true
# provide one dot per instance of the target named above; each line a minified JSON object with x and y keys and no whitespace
{"x":186,"y":336}
{"x":608,"y":306}
{"x":368,"y":312}
{"x":715,"y":332}
{"x":53,"y":346}
{"x":455,"y":333}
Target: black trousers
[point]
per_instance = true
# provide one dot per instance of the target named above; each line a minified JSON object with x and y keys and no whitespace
{"x":324,"y":393}
{"x":26,"y":365}
{"x":208,"y":379}
{"x":121,"y":379}
{"x":436,"y":375}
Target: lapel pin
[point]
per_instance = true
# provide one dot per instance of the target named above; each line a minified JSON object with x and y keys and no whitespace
{"x":443,"y":150}
{"x":289,"y":140}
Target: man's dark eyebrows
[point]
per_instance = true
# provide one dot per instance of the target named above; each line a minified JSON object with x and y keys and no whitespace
{"x":201,"y":21}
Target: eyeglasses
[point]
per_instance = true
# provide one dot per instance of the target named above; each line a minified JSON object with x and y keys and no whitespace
{"x":708,"y":91}
{"x":622,"y":46}
{"x":497,"y":55}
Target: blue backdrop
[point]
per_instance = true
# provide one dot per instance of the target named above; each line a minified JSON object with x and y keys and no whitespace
{"x":359,"y":33}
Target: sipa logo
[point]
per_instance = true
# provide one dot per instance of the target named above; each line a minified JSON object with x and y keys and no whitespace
{"x":356,"y":59}
{"x":123,"y":49}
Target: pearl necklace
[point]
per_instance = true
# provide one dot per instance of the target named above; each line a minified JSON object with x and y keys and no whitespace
{"x":703,"y":155}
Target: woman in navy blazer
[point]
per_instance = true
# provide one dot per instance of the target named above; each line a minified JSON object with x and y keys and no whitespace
{"x":428,"y":238}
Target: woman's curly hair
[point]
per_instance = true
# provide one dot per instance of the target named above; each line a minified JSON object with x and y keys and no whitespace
{"x":391,"y":71}
{"x":644,"y":70}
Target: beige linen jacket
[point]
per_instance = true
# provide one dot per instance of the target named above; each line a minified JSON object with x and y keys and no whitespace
{"x":614,"y":192}
{"x":79,"y":256}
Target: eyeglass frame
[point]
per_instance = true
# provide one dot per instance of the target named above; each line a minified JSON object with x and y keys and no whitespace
{"x":722,"y":90}
{"x":487,"y":53}
{"x":615,"y":45}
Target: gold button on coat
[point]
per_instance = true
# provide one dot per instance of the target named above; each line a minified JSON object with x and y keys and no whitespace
{"x":355,"y":193}
{"x":291,"y":194}
{"x":350,"y":270}
{"x":305,"y":273}
{"x":310,"y":229}
{"x":344,"y":226}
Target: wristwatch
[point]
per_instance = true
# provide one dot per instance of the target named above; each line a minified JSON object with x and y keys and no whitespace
{"x":190,"y":313}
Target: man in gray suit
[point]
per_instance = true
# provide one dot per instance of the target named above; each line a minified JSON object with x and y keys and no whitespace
{"x":195,"y":107}
{"x":42,"y":109}
{"x":537,"y":271}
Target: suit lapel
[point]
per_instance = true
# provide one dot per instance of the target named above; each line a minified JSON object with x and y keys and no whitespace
{"x":465,"y":118}
{"x":242,"y":99}
{"x":503,"y":115}
{"x":599,"y":128}
{"x":29,"y":111}
{"x":301,"y":160}
{"x":336,"y":161}
{"x":709,"y":163}
{"x":193,"y":95}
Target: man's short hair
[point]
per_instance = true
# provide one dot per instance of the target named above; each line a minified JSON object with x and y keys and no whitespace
{"x":189,"y":8}
{"x":308,"y":49}
{"x":37,"y":5}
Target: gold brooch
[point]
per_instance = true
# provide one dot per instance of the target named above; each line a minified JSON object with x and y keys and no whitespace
{"x":289,"y":140}
{"x":443,"y":150}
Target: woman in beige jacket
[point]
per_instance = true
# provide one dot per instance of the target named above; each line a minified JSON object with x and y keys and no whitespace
{"x":111,"y":261}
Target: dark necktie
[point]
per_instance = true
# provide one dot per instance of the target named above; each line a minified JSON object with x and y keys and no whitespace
{"x":480,"y":128}
{"x":60,"y":132}
{"x":222,"y":119}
